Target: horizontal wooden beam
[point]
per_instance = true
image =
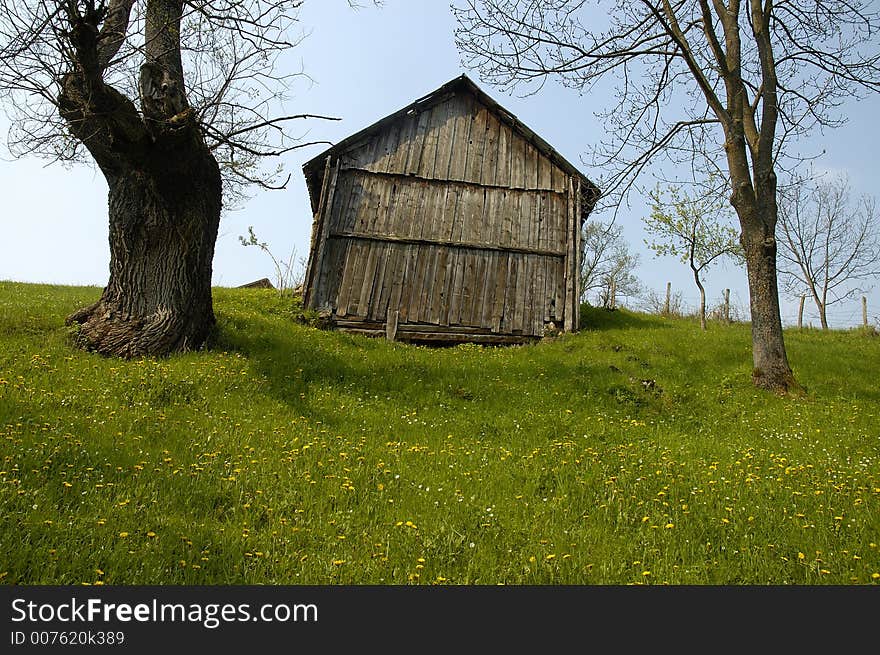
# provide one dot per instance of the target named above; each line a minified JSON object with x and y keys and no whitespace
{"x":411,"y":177}
{"x":390,"y":238}
{"x":404,"y":334}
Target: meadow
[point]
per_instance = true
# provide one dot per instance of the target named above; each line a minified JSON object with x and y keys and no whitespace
{"x":634,"y":452}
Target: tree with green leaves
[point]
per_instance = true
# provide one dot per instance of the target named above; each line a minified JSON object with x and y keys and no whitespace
{"x":696,"y":230}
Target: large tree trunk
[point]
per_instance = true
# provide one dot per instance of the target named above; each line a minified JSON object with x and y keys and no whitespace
{"x":165,"y":192}
{"x":771,"y":368}
{"x":163,"y":226}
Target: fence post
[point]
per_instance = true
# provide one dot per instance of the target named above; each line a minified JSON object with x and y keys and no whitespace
{"x":801,"y":313}
{"x":668,"y":294}
{"x":864,"y":312}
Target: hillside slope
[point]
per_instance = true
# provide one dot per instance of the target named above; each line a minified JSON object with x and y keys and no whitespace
{"x":634,"y":452}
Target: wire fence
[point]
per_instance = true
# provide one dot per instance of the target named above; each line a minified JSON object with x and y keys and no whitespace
{"x":843,"y":315}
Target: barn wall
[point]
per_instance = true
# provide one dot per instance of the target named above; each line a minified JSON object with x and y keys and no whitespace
{"x":451,"y":219}
{"x":457,"y":139}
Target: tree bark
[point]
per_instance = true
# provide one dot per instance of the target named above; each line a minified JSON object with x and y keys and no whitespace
{"x":165,"y":193}
{"x":771,"y":368}
{"x":702,"y":299}
{"x":163,"y":227}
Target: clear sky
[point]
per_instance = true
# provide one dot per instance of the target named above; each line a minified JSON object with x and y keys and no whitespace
{"x":366,"y":64}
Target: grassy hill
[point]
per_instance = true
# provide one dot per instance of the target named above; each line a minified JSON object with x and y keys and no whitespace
{"x":634,"y":452}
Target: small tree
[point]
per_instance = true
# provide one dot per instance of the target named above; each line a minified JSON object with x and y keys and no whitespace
{"x":696,"y":230}
{"x":607,"y":265}
{"x":289,"y":272}
{"x":829,"y":241}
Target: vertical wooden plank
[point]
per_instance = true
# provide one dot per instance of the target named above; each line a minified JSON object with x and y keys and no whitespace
{"x":502,"y":163}
{"x":538,"y":217}
{"x":569,"y":283}
{"x":435,"y":218}
{"x":539,"y":298}
{"x":317,"y":220}
{"x":478,"y":224}
{"x":368,"y":281}
{"x":450,"y":286}
{"x":429,"y":283}
{"x":506,"y":238}
{"x":399,"y":258}
{"x":398,"y":162}
{"x":490,"y":280}
{"x":432,"y":136}
{"x":445,"y":141}
{"x":476,"y":145}
{"x":520,"y":294}
{"x":472,"y":312}
{"x":450,"y":213}
{"x":557,"y":182}
{"x":414,"y":154}
{"x":346,"y":278}
{"x":378,"y":302}
{"x":507,"y":314}
{"x":392,"y":137}
{"x":517,"y":162}
{"x":501,"y":275}
{"x":528,"y":296}
{"x":524,"y":226}
{"x":530,"y":169}
{"x":559,"y":291}
{"x":545,"y":172}
{"x":328,"y":281}
{"x":439,"y":285}
{"x":415,"y":286}
{"x":391,"y":318}
{"x":490,"y":151}
{"x":456,"y":289}
{"x":325,"y":223}
{"x":463,"y":121}
{"x":410,"y":256}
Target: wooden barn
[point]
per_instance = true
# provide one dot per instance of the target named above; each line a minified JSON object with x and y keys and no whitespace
{"x":447,"y":221}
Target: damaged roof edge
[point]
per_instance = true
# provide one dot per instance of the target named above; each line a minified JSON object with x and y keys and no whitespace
{"x":314,"y":168}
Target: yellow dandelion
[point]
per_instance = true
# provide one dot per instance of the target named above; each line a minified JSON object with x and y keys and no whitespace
{"x":123,"y":534}
{"x":151,"y":534}
{"x":669,"y":526}
{"x":338,"y":562}
{"x":550,"y":556}
{"x":875,"y":576}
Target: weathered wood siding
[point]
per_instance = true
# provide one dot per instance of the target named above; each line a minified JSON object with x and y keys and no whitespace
{"x":449,"y":218}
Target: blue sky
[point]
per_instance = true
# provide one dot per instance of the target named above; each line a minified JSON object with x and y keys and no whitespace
{"x":365,"y":64}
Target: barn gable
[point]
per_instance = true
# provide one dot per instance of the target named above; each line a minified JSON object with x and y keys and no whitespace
{"x":448,"y":220}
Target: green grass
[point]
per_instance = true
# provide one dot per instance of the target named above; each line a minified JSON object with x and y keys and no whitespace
{"x":637,"y":451}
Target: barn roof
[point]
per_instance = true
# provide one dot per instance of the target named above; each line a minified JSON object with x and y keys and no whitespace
{"x":314,"y":168}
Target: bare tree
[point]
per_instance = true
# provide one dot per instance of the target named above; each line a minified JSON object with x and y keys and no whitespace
{"x":178,"y":103}
{"x":606,"y":262}
{"x":694,"y":229}
{"x":698,"y":81}
{"x":830,"y":241}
